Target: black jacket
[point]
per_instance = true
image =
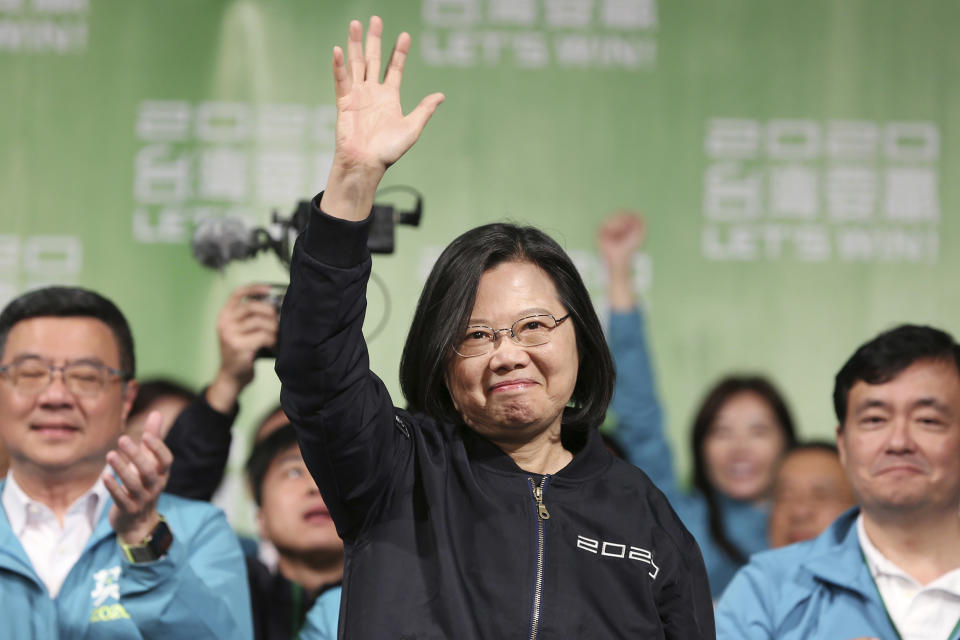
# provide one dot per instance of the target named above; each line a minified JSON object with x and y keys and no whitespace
{"x":200,"y":443}
{"x":442,"y":531}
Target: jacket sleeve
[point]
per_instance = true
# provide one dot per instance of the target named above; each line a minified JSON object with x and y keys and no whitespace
{"x":198,"y":590}
{"x":744,"y":610}
{"x":200,"y":443}
{"x":637,"y":406}
{"x":342,"y":412}
{"x":683,"y":601}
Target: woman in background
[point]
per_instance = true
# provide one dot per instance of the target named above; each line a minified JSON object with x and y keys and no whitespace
{"x":740,"y":433}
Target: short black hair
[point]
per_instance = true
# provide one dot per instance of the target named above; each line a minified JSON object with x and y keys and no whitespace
{"x":263,"y":454}
{"x":152,"y":390}
{"x":446,"y":303}
{"x":884,"y":357}
{"x":71,"y":302}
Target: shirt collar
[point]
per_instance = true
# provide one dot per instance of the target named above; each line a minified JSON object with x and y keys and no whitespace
{"x":17,"y":503}
{"x":881,"y":566}
{"x":876,"y":561}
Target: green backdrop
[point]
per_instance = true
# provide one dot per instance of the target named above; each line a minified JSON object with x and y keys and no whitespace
{"x":792,"y":159}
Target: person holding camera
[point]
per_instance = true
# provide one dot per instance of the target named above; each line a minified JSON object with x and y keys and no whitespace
{"x":291,"y":517}
{"x":201,"y":435}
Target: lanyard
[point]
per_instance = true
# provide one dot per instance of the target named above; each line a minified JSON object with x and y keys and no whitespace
{"x":884,"y":604}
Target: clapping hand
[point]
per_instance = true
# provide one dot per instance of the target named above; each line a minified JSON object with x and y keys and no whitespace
{"x":143,"y":468}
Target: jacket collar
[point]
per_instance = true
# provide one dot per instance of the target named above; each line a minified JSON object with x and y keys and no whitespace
{"x":836,"y":557}
{"x":590,"y":457}
{"x":12,"y":554}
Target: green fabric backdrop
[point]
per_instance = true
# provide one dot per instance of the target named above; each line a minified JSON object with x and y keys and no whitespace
{"x":793,"y":160}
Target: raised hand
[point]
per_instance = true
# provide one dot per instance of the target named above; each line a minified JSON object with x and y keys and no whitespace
{"x":143,"y":469}
{"x":618,"y":237}
{"x":372,"y":132}
{"x":245,"y":325}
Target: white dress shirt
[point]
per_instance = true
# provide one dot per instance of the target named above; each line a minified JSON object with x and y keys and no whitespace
{"x":52,"y":549}
{"x":919,"y":612}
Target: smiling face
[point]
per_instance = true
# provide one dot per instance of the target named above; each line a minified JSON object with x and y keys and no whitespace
{"x":292,"y":514}
{"x":55,"y":431}
{"x":743,"y":447}
{"x":811,"y":491}
{"x":900,"y":441}
{"x":515,"y":393}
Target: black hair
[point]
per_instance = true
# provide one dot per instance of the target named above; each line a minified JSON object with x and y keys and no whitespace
{"x":613,"y":445}
{"x":883,"y":358}
{"x":152,"y":390}
{"x":711,"y":405}
{"x":71,"y":302}
{"x":447,"y":301}
{"x":263,"y":454}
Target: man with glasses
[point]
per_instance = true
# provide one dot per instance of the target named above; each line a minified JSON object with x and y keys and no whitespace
{"x":89,"y":546}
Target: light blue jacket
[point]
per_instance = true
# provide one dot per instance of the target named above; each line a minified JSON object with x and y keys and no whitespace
{"x":819,"y":589}
{"x":323,"y":617}
{"x":198,"y":590}
{"x":640,"y":431}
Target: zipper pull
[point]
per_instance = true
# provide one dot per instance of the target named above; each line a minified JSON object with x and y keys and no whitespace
{"x":538,"y":495}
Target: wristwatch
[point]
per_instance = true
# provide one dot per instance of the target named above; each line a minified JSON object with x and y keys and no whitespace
{"x":151,"y":548}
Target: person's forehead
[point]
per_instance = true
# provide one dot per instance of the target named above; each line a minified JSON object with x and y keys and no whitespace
{"x":62,"y":339}
{"x":512,"y":289}
{"x":925,"y":380}
{"x":745,"y":401}
{"x":289,"y":455}
{"x":810,"y":463}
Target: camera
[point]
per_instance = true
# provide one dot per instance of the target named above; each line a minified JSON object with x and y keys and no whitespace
{"x":274,"y":298}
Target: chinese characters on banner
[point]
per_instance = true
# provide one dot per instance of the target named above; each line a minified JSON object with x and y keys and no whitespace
{"x":43,"y":26}
{"x":538,"y":34}
{"x":28,"y":262}
{"x":218,"y":159}
{"x":853,"y":191}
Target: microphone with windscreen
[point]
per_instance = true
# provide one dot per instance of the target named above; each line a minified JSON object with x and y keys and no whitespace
{"x":218,"y":241}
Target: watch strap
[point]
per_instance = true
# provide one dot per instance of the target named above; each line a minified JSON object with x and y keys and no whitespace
{"x":151,"y":548}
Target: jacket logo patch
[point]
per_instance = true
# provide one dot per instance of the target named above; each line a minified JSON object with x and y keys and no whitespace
{"x":107,"y":587}
{"x":620,"y":551}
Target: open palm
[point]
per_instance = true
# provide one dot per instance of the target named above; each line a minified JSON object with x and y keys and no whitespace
{"x":372,"y":132}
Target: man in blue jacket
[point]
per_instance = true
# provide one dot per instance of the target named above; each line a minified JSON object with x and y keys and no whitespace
{"x":89,"y":546}
{"x":890,"y":568}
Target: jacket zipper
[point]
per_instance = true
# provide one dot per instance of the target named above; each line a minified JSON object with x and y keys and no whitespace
{"x":542,"y":514}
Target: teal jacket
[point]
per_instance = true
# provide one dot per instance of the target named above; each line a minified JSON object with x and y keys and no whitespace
{"x":323,"y":617}
{"x":640,"y":431}
{"x":198,"y":590}
{"x":819,"y":589}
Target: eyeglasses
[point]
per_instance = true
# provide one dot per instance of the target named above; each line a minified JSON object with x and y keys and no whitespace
{"x":531,"y":331}
{"x":31,"y":376}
